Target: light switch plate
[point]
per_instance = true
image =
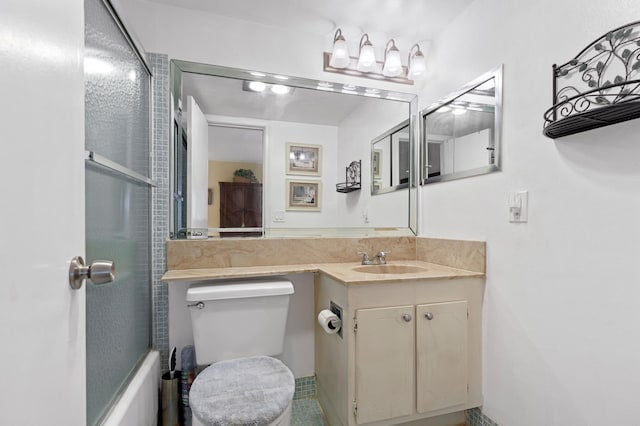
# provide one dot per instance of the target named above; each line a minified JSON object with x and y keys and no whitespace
{"x":519,"y":207}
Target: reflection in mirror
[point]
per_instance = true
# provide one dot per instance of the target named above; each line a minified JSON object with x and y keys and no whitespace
{"x":235,"y":181}
{"x":390,"y":159}
{"x":239,"y":121}
{"x":462,"y":132}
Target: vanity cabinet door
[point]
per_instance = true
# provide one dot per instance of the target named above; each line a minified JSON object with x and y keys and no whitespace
{"x":384,"y":355}
{"x":442,"y":355}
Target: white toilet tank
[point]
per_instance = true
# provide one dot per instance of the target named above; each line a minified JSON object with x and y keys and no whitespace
{"x":233,"y":319}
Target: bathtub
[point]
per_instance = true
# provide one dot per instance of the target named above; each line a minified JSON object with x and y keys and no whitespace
{"x":138,"y":404}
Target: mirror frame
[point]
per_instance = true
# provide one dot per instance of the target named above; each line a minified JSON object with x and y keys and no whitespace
{"x":177,"y":67}
{"x":389,"y":132}
{"x":496,"y":74}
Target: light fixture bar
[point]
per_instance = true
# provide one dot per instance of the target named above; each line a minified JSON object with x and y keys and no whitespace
{"x":376,"y":74}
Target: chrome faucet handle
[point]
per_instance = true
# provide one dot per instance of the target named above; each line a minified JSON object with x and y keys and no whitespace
{"x":365,"y":258}
{"x":382,"y":257}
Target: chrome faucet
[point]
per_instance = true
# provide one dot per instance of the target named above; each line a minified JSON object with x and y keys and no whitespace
{"x":380,"y":258}
{"x":365,"y":258}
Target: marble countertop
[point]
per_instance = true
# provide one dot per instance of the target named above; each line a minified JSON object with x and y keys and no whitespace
{"x":343,"y":272}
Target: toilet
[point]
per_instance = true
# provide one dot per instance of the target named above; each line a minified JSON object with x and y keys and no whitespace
{"x":237,"y":327}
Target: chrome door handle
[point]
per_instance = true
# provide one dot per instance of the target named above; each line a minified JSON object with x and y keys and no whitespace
{"x":99,"y":272}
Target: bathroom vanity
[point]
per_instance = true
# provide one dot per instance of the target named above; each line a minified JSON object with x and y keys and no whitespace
{"x":410,"y":345}
{"x":410,"y":350}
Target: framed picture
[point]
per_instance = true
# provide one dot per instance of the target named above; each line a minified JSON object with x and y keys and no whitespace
{"x":303,"y":195}
{"x":303,"y":159}
{"x":376,"y":158}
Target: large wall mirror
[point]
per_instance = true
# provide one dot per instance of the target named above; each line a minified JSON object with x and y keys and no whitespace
{"x":461,"y":133}
{"x":258,"y":154}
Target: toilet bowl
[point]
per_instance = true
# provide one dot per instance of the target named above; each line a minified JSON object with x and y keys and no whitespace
{"x":237,"y":327}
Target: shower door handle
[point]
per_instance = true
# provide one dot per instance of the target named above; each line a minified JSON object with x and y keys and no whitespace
{"x":99,"y":272}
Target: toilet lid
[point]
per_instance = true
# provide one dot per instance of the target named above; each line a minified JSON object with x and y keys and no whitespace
{"x":243,"y":391}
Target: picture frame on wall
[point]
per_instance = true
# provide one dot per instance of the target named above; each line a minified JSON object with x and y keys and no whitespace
{"x":303,"y":195}
{"x":376,"y":158}
{"x":303,"y":159}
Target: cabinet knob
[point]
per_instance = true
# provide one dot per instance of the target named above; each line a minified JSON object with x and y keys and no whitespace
{"x":406,"y":317}
{"x":428,"y":316}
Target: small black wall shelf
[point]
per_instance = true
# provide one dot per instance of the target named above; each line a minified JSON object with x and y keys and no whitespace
{"x":599,"y":87}
{"x":352,"y":178}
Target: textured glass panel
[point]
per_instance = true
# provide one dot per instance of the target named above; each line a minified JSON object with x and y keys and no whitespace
{"x":117,"y":90}
{"x":118,"y":313}
{"x":117,"y":120}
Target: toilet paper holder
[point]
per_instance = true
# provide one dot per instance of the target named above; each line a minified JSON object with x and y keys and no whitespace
{"x":338,"y":311}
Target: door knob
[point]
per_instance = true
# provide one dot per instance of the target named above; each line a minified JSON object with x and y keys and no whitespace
{"x":99,"y":272}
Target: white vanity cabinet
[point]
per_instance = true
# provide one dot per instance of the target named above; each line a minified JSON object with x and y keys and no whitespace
{"x":410,"y":350}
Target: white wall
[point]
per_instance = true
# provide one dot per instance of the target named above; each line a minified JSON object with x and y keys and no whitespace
{"x":281,"y":133}
{"x":355,"y":134}
{"x":560,"y":312}
{"x":298,"y":352}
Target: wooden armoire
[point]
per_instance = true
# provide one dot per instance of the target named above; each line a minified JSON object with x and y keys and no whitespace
{"x":240,"y":207}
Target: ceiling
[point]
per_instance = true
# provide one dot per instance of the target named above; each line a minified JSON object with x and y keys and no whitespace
{"x":224,"y":96}
{"x":413,"y":20}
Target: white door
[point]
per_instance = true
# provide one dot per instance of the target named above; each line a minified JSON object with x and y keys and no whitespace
{"x":42,"y":320}
{"x":197,"y":168}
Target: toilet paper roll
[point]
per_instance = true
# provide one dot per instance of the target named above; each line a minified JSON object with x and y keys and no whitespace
{"x":329,"y":321}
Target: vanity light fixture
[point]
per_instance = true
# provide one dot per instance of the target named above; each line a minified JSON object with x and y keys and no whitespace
{"x":392,"y":63}
{"x":417,"y":63}
{"x":340,"y":55}
{"x":366,"y":65}
{"x":366,"y":55}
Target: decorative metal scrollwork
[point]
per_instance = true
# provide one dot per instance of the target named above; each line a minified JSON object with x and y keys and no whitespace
{"x":599,"y":87}
{"x":352,"y":177}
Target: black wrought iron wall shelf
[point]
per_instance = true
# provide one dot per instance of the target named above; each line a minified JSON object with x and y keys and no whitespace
{"x":352,"y":178}
{"x":599,"y":87}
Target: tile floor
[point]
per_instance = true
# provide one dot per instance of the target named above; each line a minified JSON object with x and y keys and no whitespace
{"x":307,"y":412}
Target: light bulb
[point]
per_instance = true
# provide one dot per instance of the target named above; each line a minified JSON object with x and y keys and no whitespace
{"x":417,"y":66}
{"x":279,"y":89}
{"x":367,"y":56}
{"x":392,"y":64}
{"x":340,"y":55}
{"x":257,"y":86}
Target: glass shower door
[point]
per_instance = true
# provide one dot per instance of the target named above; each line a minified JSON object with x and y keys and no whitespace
{"x":118,"y":193}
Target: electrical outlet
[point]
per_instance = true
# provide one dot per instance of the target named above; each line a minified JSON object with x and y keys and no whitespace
{"x":278,"y":216}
